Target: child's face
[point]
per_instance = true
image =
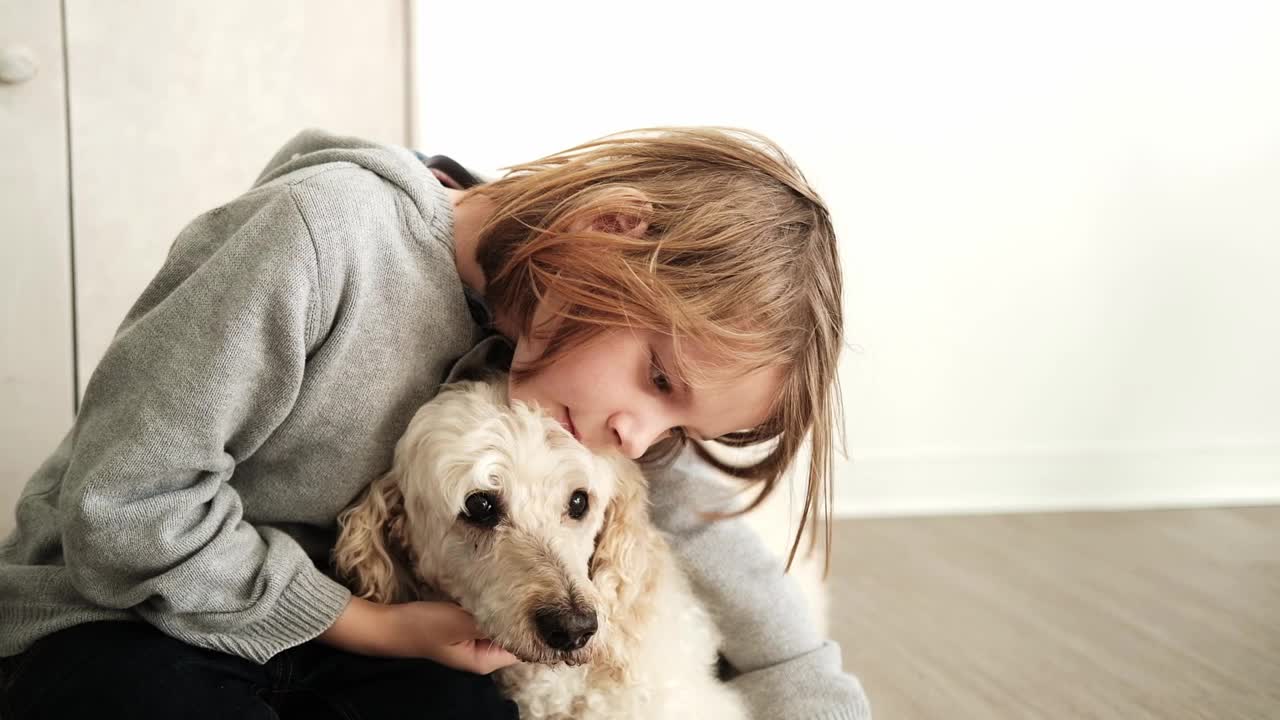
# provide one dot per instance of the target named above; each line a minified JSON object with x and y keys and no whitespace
{"x":620,"y":391}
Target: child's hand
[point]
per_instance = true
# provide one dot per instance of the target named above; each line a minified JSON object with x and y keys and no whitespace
{"x":448,"y":634}
{"x":437,"y":631}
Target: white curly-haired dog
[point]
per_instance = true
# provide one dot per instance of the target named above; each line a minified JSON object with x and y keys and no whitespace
{"x":495,"y":506}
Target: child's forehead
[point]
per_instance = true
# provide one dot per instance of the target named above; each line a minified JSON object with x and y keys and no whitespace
{"x":704,"y":366}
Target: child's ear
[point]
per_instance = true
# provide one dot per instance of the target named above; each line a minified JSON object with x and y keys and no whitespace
{"x":620,"y":211}
{"x":620,"y":223}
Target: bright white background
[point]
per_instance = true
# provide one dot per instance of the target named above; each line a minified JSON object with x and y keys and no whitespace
{"x":1060,"y":223}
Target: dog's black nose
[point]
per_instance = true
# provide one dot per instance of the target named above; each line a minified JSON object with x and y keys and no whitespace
{"x":565,"y":630}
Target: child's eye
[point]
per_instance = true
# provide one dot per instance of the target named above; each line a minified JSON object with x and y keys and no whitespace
{"x":658,"y":376}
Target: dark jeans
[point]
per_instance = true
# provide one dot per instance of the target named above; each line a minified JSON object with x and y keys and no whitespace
{"x":131,"y":670}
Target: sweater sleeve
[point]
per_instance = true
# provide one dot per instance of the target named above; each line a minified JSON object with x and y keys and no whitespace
{"x":786,"y":669}
{"x":207,"y":364}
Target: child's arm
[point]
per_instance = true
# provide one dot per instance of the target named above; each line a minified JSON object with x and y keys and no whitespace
{"x":787,"y":669}
{"x":205,"y":367}
{"x":207,"y":363}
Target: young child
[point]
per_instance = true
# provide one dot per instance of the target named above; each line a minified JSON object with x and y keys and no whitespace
{"x":660,"y":288}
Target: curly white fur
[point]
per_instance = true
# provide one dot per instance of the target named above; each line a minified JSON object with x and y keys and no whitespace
{"x":409,"y":536}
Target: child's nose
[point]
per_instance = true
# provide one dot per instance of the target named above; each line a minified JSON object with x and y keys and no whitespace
{"x":633,"y":435}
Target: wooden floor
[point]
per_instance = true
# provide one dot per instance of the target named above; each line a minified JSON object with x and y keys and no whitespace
{"x":1163,"y":614}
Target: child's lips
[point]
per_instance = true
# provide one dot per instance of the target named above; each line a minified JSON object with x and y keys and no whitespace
{"x":567,"y":422}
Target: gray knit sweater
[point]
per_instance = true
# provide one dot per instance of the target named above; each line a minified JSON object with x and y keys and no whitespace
{"x":259,"y":383}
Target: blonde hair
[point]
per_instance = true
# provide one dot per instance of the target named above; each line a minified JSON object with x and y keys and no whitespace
{"x":710,"y":235}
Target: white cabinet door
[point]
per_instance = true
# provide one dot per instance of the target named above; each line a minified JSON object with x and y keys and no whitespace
{"x":177,"y":106}
{"x":37,"y":390}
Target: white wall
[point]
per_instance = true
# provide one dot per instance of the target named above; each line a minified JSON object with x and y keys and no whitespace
{"x":1060,"y":225}
{"x":163,"y":111}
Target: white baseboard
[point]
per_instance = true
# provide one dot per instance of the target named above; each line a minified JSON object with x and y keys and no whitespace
{"x":944,"y":482}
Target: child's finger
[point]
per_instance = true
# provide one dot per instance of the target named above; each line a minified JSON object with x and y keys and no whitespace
{"x":479,"y":656}
{"x":493,"y":656}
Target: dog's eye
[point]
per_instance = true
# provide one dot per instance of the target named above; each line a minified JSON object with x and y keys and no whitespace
{"x":578,"y":504}
{"x":481,"y":508}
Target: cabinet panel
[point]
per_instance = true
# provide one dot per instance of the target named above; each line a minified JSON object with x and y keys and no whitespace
{"x":37,"y":392}
{"x":176,"y":107}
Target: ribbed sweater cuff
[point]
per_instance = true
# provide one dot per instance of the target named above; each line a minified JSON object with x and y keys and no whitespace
{"x":809,"y":687}
{"x":850,"y":713}
{"x":308,"y":606}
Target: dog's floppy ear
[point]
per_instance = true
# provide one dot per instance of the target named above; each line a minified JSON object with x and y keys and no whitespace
{"x":371,"y":554}
{"x":624,"y":568}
